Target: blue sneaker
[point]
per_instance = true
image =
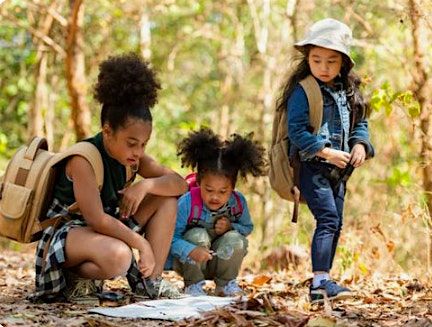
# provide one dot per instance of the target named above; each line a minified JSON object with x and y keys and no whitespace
{"x":196,"y":289}
{"x":230,"y":289}
{"x":329,"y":289}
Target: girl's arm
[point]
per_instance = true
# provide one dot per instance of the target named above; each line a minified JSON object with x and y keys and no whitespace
{"x":309,"y":144}
{"x":244,"y":225}
{"x":160,"y":180}
{"x":181,"y":248}
{"x":360,"y":134}
{"x":90,"y":204}
{"x":299,"y":126}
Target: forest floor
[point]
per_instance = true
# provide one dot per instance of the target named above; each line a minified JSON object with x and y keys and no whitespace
{"x":274,"y":299}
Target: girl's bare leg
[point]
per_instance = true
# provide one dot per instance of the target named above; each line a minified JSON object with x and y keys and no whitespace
{"x":95,"y":256}
{"x":157,"y":214}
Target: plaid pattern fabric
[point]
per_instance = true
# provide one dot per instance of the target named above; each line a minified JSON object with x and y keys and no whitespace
{"x":50,"y":279}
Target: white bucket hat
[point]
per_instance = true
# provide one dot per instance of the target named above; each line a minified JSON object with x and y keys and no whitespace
{"x":328,"y":33}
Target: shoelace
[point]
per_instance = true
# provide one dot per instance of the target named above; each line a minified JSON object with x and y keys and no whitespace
{"x":83,"y":287}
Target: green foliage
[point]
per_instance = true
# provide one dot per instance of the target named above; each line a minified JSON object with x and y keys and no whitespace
{"x":384,"y":98}
{"x":400,"y":175}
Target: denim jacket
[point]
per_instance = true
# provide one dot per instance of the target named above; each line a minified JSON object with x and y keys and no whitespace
{"x":181,"y":248}
{"x":335,"y":128}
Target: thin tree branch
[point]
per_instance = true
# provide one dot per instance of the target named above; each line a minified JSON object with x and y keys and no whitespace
{"x":47,"y":40}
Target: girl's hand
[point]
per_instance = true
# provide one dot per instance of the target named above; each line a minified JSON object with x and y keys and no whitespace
{"x":132,"y":197}
{"x":358,"y":155}
{"x":222,"y":226}
{"x":335,"y":157}
{"x":200,"y":254}
{"x":146,"y":261}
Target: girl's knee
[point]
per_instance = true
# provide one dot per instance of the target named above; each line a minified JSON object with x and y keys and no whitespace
{"x":118,"y":258}
{"x":236,"y":240}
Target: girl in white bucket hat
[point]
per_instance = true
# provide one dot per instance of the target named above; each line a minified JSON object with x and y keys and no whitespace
{"x":328,"y":155}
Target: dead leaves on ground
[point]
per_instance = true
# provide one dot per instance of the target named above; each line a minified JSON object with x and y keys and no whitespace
{"x":377,"y":302}
{"x":274,"y":299}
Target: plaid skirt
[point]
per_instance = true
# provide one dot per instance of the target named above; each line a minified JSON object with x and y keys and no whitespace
{"x":50,"y":255}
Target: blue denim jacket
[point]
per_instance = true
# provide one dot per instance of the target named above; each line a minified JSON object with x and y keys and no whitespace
{"x":335,"y":128}
{"x":181,"y":248}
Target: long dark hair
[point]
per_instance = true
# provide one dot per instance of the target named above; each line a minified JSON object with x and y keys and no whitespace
{"x":206,"y":152}
{"x":351,"y":83}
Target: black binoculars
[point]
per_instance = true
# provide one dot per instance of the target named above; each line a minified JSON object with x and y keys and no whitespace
{"x":340,"y":175}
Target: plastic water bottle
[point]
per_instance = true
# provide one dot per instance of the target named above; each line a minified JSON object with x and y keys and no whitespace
{"x":224,"y":252}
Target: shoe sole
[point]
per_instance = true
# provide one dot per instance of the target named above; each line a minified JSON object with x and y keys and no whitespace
{"x":85,"y":301}
{"x":339,"y":296}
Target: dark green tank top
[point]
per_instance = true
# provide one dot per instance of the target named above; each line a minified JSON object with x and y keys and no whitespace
{"x":114,"y":180}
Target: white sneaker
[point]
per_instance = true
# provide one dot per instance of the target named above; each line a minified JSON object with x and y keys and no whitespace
{"x":230,"y":289}
{"x":196,"y":289}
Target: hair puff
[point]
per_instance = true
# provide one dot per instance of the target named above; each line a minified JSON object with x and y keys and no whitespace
{"x":126,"y":80}
{"x":199,"y":146}
{"x":245,"y":153}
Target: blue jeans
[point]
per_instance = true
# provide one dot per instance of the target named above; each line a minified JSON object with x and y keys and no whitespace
{"x":326,"y":204}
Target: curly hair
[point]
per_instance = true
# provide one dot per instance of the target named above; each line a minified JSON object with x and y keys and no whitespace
{"x":126,"y":87}
{"x":350,"y":81}
{"x":204,"y":151}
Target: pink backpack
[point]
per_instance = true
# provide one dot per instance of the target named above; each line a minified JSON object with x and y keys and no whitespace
{"x":197,"y":202}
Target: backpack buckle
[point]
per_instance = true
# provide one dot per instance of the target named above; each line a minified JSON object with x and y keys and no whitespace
{"x":195,"y":221}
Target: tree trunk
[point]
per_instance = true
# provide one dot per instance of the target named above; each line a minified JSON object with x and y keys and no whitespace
{"x":40,"y":100}
{"x":75,"y":71}
{"x":422,"y":86}
{"x":264,"y":107}
{"x":145,"y":34}
{"x":50,"y":113}
{"x":225,"y":112}
{"x":35,"y":124}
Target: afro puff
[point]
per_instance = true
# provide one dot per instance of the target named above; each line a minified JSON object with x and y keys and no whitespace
{"x":126,"y":86}
{"x":245,"y":153}
{"x":199,"y":146}
{"x":206,"y":151}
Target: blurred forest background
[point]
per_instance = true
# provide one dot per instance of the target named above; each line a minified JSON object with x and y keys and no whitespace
{"x":221,"y":64}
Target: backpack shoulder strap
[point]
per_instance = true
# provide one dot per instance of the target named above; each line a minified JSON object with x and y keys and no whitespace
{"x":315,"y":100}
{"x":91,"y":153}
{"x":88,"y":151}
{"x":237,"y":210}
{"x":196,"y":206}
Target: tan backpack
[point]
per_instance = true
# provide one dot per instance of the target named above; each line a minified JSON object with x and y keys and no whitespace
{"x":26,"y":188}
{"x":283,"y":172}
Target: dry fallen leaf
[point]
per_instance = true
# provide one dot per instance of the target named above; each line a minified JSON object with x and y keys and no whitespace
{"x":260,"y":280}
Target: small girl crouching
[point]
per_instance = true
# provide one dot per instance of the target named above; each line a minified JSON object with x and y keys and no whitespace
{"x":213,"y":219}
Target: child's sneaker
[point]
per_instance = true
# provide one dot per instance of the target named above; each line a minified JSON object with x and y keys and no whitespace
{"x":230,"y":289}
{"x":156,"y":288}
{"x":166,"y":289}
{"x":81,"y":290}
{"x":196,"y":289}
{"x":330,"y":289}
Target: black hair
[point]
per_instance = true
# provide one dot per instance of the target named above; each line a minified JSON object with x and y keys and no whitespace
{"x":351,"y":83}
{"x":205,"y":151}
{"x":127,"y":88}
